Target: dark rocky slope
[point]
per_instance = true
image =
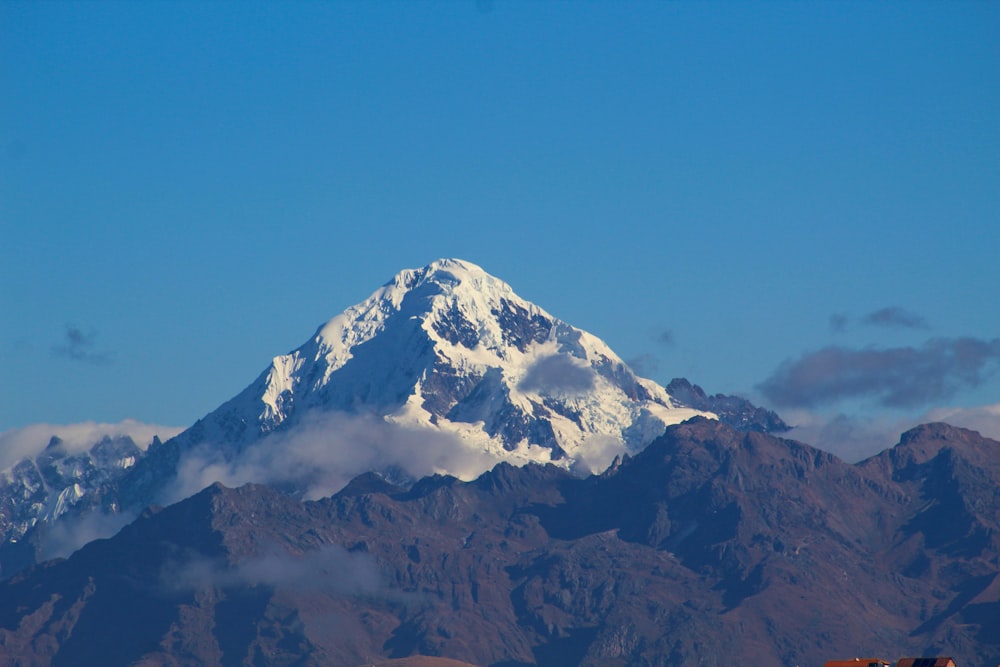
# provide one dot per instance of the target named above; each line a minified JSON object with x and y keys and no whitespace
{"x":738,"y":412}
{"x":712,"y":546}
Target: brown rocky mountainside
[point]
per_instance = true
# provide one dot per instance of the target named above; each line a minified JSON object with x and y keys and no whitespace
{"x":710,"y":547}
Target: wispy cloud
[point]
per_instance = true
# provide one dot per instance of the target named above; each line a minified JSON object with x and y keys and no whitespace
{"x":558,"y":373}
{"x":644,"y":364}
{"x":78,"y":345}
{"x":665,"y":337}
{"x":901,"y":377}
{"x":325,"y":451}
{"x":850,"y":437}
{"x":983,"y":418}
{"x":29,"y":441}
{"x":896,"y":318}
{"x":70,"y":532}
{"x":890,"y":317}
{"x":855,"y":437}
{"x":330,"y":569}
{"x":596,"y":453}
{"x":838,"y":322}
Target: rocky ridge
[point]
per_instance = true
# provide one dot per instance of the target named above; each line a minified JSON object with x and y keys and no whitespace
{"x":43,"y":488}
{"x":711,"y":546}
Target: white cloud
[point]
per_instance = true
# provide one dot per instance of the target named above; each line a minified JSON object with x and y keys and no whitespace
{"x":854,"y":437}
{"x":29,"y":441}
{"x":66,"y":535}
{"x":559,"y":373}
{"x":331,"y":569}
{"x":326,"y":451}
{"x":983,"y":418}
{"x":850,"y":437}
{"x":596,"y":453}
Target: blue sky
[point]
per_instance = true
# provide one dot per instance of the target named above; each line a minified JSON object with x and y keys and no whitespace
{"x":797,"y":202}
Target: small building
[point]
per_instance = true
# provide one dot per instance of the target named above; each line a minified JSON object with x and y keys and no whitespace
{"x":940,"y":661}
{"x":862,"y":662}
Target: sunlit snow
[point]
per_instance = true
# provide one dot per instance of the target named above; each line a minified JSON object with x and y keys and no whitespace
{"x":451,"y":322}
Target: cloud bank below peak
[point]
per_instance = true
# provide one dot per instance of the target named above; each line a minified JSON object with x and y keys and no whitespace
{"x":854,"y":437}
{"x":29,"y":441}
{"x":324,"y":452}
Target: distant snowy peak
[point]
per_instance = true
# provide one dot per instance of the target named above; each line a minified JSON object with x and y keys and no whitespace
{"x":443,"y":369}
{"x":452,"y":348}
{"x":44,"y":485}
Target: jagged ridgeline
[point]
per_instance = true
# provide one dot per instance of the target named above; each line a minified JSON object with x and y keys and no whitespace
{"x":444,"y":369}
{"x":709,"y":547}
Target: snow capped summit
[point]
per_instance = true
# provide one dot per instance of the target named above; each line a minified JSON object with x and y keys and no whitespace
{"x":40,"y":482}
{"x":453,"y":349}
{"x":443,"y":369}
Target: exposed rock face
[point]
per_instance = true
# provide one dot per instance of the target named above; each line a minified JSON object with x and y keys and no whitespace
{"x":447,"y":350}
{"x":710,"y":547}
{"x":453,"y":349}
{"x":44,"y":487}
{"x":738,"y":412}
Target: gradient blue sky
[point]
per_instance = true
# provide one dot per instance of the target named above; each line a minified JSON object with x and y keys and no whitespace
{"x":715,"y":189}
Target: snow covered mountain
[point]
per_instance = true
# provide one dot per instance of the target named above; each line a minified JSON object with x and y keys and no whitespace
{"x":444,"y":369}
{"x":452,"y":349}
{"x":40,"y":482}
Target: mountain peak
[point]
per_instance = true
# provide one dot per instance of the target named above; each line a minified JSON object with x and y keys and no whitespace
{"x":442,"y":370}
{"x":938,"y":431}
{"x":445,"y":271}
{"x":452,"y":350}
{"x":458,"y":299}
{"x":736,"y":411}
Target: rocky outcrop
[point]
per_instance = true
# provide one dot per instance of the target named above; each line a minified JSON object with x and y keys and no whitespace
{"x":712,"y":546}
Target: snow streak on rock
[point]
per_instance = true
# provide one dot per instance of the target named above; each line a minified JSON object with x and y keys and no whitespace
{"x":453,"y":349}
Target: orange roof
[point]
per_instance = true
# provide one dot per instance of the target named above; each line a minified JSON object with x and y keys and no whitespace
{"x":940,"y":661}
{"x":859,"y":662}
